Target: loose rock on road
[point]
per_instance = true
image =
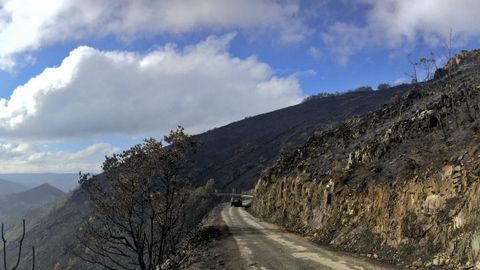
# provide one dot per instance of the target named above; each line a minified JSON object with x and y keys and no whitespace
{"x":264,"y":246}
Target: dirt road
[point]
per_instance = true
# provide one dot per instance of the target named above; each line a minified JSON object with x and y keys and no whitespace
{"x":265,"y":246}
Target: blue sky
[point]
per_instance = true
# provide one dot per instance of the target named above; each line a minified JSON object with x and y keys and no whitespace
{"x":84,"y":79}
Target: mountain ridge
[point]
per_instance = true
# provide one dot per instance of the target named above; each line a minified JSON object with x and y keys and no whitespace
{"x":231,"y":154}
{"x":16,"y":204}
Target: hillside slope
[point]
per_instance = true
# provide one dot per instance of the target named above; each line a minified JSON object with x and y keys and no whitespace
{"x":401,"y":184}
{"x":235,"y":154}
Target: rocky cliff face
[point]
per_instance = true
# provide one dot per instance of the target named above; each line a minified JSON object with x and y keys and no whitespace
{"x":400,"y":184}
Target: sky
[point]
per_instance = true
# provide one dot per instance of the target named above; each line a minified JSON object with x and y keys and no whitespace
{"x":81,"y":79}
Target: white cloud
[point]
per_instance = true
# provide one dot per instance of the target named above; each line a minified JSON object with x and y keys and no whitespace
{"x":20,"y":158}
{"x":397,"y":23}
{"x":400,"y":81}
{"x":30,"y":24}
{"x":344,"y":40}
{"x":96,"y":93}
{"x":314,"y":52}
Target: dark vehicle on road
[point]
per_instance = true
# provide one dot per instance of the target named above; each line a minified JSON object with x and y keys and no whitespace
{"x":236,"y":201}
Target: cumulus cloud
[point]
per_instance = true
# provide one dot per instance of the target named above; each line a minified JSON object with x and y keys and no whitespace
{"x":395,"y":23}
{"x":96,"y":93}
{"x":30,"y":24}
{"x":19,"y":158}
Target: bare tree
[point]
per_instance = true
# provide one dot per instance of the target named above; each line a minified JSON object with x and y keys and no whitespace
{"x":20,"y":246}
{"x":139,"y":210}
{"x":425,"y":66}
{"x":412,"y":74}
{"x":428,"y":65}
{"x":447,"y":44}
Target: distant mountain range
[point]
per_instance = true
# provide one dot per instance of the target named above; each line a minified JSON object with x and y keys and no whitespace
{"x":18,"y":203}
{"x":64,"y":181}
{"x":8,"y":187}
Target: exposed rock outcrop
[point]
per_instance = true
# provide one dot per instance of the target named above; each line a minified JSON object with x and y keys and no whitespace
{"x":463,"y":60}
{"x":401,"y":184}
